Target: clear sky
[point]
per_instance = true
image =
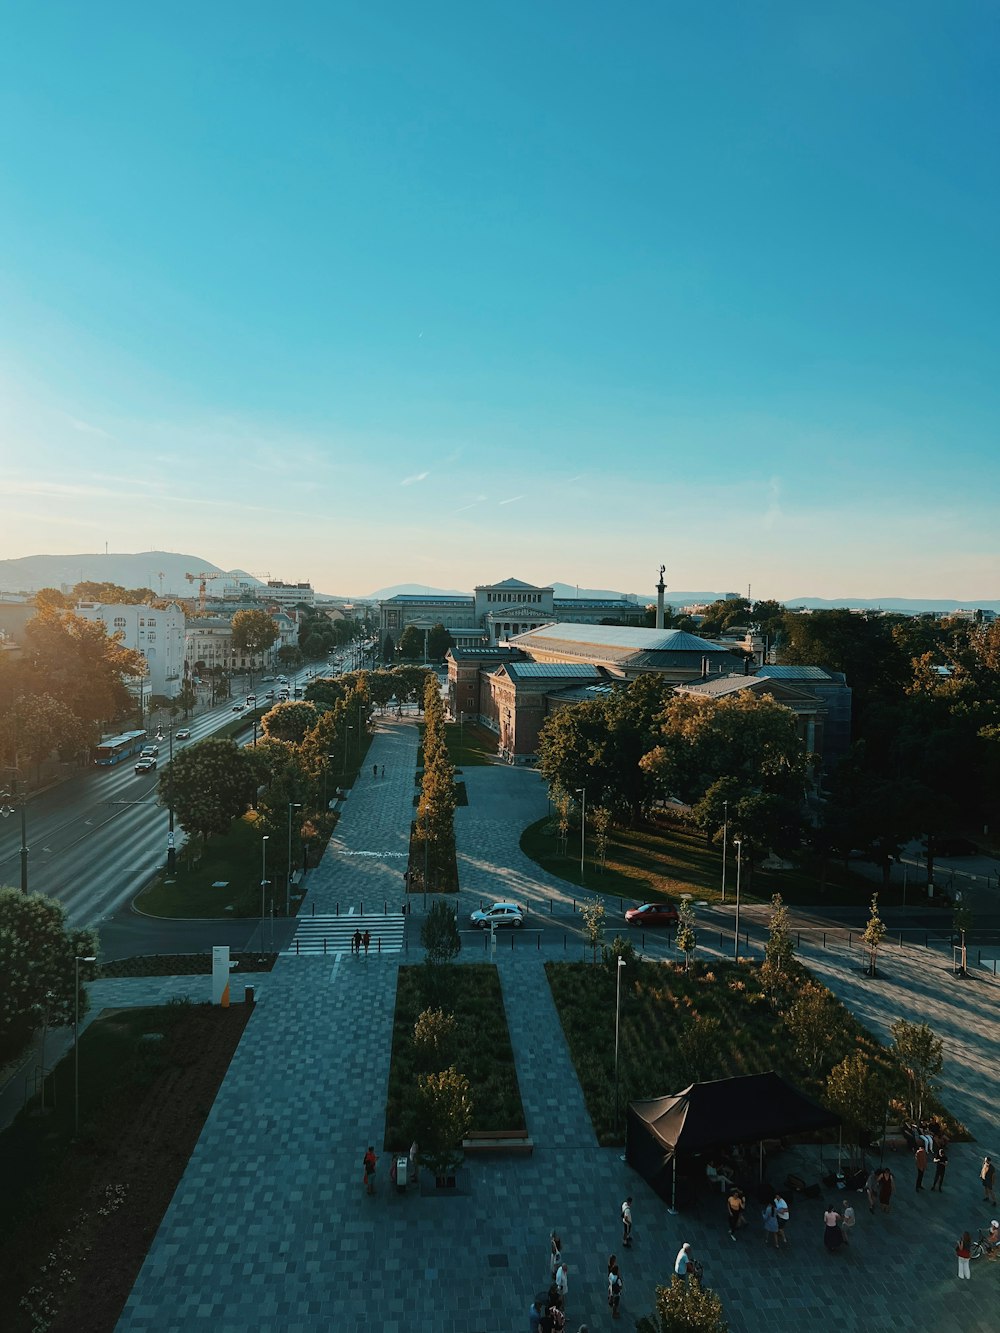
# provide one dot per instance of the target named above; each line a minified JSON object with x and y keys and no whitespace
{"x":369,"y":293}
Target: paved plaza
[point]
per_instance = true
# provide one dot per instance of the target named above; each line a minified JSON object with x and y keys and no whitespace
{"x":270,"y":1228}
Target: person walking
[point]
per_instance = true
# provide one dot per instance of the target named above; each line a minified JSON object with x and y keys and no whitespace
{"x":370,"y":1162}
{"x":683,"y":1261}
{"x":871,"y":1189}
{"x":886,"y":1188}
{"x":375,"y":771}
{"x":366,"y":939}
{"x":781,"y":1209}
{"x":736,"y":1206}
{"x":770,"y":1216}
{"x":615,"y":1289}
{"x":535,"y":1312}
{"x":847,"y":1221}
{"x":940,"y":1167}
{"x":964,"y":1252}
{"x":555,"y":1254}
{"x":833,"y":1237}
{"x":383,"y":770}
{"x":920,"y":1157}
{"x":988,"y":1176}
{"x":562,"y":1284}
{"x":356,"y":943}
{"x":627,"y":1223}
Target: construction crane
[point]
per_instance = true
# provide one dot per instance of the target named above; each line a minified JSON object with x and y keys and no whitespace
{"x":202,"y":581}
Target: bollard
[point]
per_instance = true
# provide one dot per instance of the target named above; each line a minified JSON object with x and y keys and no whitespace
{"x":550,"y":907}
{"x":564,"y":941}
{"x":621,"y":905}
{"x":574,"y":904}
{"x":338,"y":909}
{"x":385,"y":908}
{"x":298,"y":952}
{"x":512,"y":941}
{"x":798,"y":943}
{"x":538,"y":940}
{"x":900,"y":939}
{"x":324,"y":944}
{"x":824,"y":939}
{"x":379,"y":945}
{"x":313,"y":909}
{"x":484,"y":941}
{"x":850,"y":939}
{"x":362,"y":909}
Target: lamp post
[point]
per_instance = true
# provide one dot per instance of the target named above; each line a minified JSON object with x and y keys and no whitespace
{"x":292,"y":805}
{"x":326,"y":774}
{"x":618,"y":1009}
{"x":582,"y":792}
{"x":725,"y":841}
{"x":347,"y":728}
{"x":7,"y":799}
{"x":76,"y":1043}
{"x":171,"y":850}
{"x":738,"y":844}
{"x":263,"y":884}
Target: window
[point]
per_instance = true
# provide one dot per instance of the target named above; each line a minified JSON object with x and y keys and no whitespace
{"x":119,"y":622}
{"x":151,"y":634}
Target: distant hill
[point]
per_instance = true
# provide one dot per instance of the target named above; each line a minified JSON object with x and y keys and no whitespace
{"x":412,"y":590}
{"x":909,"y":605}
{"x":160,"y":570}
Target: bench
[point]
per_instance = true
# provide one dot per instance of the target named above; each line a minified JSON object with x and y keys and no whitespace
{"x":499,"y":1140}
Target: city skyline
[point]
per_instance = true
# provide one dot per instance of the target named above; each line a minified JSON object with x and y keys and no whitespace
{"x":441,"y":295}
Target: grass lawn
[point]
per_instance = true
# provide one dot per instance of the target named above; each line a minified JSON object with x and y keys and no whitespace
{"x":481,"y":1050}
{"x":234,"y":861}
{"x":679,"y":1028}
{"x":662,"y":860}
{"x":88,"y":1210}
{"x":470,"y":744}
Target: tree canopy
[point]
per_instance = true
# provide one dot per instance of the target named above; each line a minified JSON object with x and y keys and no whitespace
{"x":253,"y":632}
{"x":209,"y":784}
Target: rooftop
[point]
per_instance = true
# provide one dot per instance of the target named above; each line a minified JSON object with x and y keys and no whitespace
{"x":795,"y":673}
{"x":634,"y":637}
{"x":553,"y":671}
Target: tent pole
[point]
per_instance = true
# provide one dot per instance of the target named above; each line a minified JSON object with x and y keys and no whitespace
{"x":672,"y":1210}
{"x":760,"y":1162}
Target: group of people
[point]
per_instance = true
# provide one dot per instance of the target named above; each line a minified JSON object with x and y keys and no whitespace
{"x":359,"y":941}
{"x":837,"y":1226}
{"x":548,"y":1313}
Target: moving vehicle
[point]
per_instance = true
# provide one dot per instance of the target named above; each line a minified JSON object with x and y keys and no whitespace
{"x":652,"y":914}
{"x":498,"y":914}
{"x":146,"y":763}
{"x":150,"y":750}
{"x":116,"y":748}
{"x":184,"y":734}
{"x":239,"y":708}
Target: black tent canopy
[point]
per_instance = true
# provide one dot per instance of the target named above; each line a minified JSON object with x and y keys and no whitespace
{"x":707,"y":1116}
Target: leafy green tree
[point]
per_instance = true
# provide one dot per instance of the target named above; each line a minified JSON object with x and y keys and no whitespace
{"x":209,"y":784}
{"x":779,"y":952}
{"x":862,"y":646}
{"x":434,"y":1037}
{"x":859,"y":1091}
{"x":439,"y":641}
{"x":443,"y":1115}
{"x":290,"y":721}
{"x":592,"y":914}
{"x":920,"y":1052}
{"x":685,"y":1306}
{"x":600,"y":822}
{"x":37,"y":970}
{"x":187,"y":697}
{"x":686,"y":939}
{"x":34,"y":725}
{"x":290,"y":656}
{"x":411,"y":643}
{"x":873,"y":935}
{"x":701,"y":1047}
{"x":52,"y":597}
{"x":814,"y":1022}
{"x":253,"y":633}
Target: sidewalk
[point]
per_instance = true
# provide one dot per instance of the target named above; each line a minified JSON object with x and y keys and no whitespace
{"x":270,"y":1228}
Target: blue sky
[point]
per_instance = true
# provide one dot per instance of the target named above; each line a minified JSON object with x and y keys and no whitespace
{"x":370,"y":293}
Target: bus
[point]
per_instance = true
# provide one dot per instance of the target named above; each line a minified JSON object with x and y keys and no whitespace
{"x":116,"y":748}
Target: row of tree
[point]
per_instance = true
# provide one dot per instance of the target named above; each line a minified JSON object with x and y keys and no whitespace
{"x":418,"y":645}
{"x":433,"y":841}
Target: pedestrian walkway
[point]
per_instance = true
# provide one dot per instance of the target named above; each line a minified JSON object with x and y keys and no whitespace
{"x":335,"y":934}
{"x":270,"y":1228}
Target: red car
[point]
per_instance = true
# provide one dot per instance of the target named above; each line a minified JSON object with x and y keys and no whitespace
{"x":652,"y":914}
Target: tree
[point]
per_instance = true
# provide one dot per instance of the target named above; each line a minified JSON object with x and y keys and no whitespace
{"x":438,"y":643}
{"x":388,"y":649}
{"x":961,"y":921}
{"x":685,"y":1307}
{"x":253,"y":633}
{"x":208,"y":785}
{"x":289,"y":721}
{"x":434,"y":1037}
{"x":600,"y":822}
{"x":874,"y":934}
{"x":592,"y":915}
{"x":813,"y":1022}
{"x":779,"y":951}
{"x":187,"y":697}
{"x":443,"y":1116}
{"x":37,"y":970}
{"x":439,"y":934}
{"x":52,"y":597}
{"x":411,"y":643}
{"x":859,"y":1091}
{"x":33,"y":725}
{"x":686,"y":938}
{"x":289,"y":656}
{"x":920,"y":1052}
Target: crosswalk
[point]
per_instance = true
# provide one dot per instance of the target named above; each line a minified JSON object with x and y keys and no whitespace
{"x":333,"y":934}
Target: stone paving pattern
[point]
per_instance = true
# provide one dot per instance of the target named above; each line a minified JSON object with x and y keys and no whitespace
{"x":270,"y":1227}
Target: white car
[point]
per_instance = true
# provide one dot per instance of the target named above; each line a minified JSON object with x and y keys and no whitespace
{"x":184,"y":734}
{"x":238,"y":708}
{"x":146,"y":763}
{"x":498,"y":914}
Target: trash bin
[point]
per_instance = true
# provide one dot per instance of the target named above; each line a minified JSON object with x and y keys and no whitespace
{"x":248,"y":995}
{"x":402,"y":1167}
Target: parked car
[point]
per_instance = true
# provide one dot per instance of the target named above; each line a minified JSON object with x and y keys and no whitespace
{"x":498,"y":914}
{"x":184,"y":734}
{"x":652,"y":914}
{"x":145,"y":763}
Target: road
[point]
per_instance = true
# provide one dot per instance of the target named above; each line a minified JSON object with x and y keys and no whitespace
{"x":96,"y":839}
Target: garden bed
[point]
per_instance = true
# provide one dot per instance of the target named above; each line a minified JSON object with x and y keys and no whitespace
{"x":481,"y":1050}
{"x":181,"y":965}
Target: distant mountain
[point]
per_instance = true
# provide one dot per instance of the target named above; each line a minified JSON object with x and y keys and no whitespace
{"x":909,"y":605}
{"x":163,"y":571}
{"x":412,"y":590}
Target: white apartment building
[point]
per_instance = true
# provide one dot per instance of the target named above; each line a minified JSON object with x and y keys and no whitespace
{"x":158,"y":635}
{"x":276,"y":593}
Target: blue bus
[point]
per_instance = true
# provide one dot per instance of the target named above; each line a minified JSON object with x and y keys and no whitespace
{"x":116,"y":748}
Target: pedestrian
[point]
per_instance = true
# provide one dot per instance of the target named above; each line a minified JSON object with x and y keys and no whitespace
{"x":383,"y":770}
{"x":683,"y":1261}
{"x":871,"y":1189}
{"x":940,"y":1167}
{"x":413,"y":1160}
{"x":615,"y":1289}
{"x":847,"y":1220}
{"x":988,"y":1176}
{"x":562,"y":1284}
{"x":736,"y":1206}
{"x":781,"y":1209}
{"x":366,"y":939}
{"x":770,"y":1216}
{"x":964,"y":1251}
{"x":920,"y":1157}
{"x":374,"y":770}
{"x":555,"y":1254}
{"x":627,"y":1223}
{"x":833,"y":1237}
{"x":370,"y":1161}
{"x":886,"y":1188}
{"x":535,"y":1313}
{"x":356,"y":943}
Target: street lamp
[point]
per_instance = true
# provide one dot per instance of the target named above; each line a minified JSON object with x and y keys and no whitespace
{"x":263,"y":884}
{"x":76,"y":1043}
{"x":738,"y":844}
{"x":582,"y":792}
{"x":171,"y":850}
{"x":7,"y":799}
{"x":725,"y":840}
{"x":326,"y":773}
{"x":347,"y":728}
{"x":292,"y":805}
{"x":618,"y":1008}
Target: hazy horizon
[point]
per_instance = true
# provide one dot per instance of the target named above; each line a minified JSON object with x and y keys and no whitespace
{"x":368,"y":295}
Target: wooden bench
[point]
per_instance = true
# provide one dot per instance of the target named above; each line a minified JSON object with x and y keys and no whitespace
{"x":499,"y":1140}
